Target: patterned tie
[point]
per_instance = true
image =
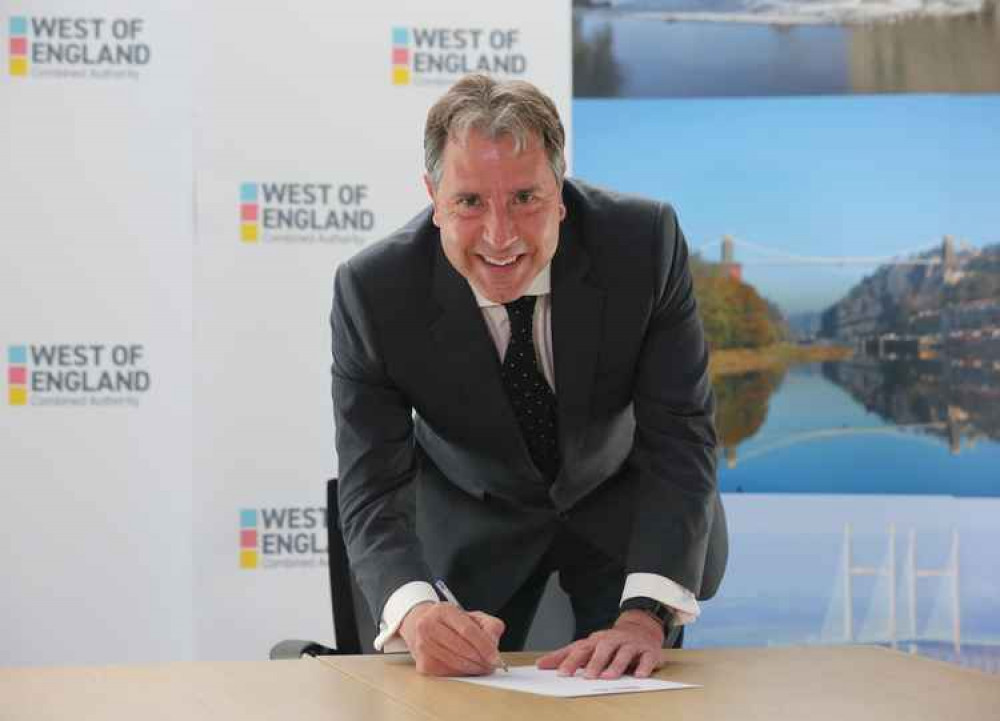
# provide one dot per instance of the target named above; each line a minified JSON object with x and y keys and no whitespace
{"x":533,"y":401}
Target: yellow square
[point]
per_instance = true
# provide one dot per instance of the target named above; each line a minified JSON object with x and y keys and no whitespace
{"x":17,"y":396}
{"x":19,"y":66}
{"x":400,"y":75}
{"x":248,"y":559}
{"x":248,"y":232}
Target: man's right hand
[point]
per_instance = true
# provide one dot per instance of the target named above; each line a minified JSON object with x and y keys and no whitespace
{"x":447,"y":641}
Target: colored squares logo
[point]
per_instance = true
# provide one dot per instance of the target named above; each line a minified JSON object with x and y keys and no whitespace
{"x":17,"y":375}
{"x":400,"y":56}
{"x":249,"y":210}
{"x":18,"y":46}
{"x":248,"y":538}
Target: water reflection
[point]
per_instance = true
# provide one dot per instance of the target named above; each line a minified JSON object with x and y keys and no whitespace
{"x":595,"y":70}
{"x":928,"y":54}
{"x":626,"y":53}
{"x":741,"y":406}
{"x":944,"y":400}
{"x":861,"y":426}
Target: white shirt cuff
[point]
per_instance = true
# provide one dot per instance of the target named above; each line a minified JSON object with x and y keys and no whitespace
{"x":399,"y":604}
{"x":662,"y":589}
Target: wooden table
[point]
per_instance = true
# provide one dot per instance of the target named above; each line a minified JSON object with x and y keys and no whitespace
{"x":812,"y":683}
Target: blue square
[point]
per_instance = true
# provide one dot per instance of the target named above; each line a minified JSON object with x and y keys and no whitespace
{"x":17,"y":354}
{"x":400,"y":36}
{"x":248,"y":518}
{"x":248,"y":192}
{"x":19,"y":25}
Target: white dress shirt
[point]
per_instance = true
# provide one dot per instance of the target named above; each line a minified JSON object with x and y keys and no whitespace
{"x":650,"y":585}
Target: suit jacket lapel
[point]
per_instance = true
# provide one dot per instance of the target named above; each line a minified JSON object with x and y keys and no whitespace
{"x":577,"y":311}
{"x":470,"y":357}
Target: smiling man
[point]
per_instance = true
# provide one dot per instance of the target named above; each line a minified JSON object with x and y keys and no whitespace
{"x":520,"y":386}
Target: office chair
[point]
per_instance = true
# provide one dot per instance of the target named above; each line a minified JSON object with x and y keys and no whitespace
{"x":352,"y":622}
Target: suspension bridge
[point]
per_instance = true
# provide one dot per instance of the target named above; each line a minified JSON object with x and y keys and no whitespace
{"x":768,"y":256}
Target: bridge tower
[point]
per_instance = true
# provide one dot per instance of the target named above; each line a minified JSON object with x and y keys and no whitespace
{"x":948,"y":257}
{"x":727,"y":262}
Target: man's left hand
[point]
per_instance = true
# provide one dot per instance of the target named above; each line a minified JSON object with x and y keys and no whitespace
{"x":634,"y":642}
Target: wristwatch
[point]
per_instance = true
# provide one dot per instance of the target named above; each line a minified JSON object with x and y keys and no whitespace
{"x":661,"y":612}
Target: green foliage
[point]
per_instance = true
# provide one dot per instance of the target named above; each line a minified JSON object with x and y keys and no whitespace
{"x":733,"y":313}
{"x":742,"y":403}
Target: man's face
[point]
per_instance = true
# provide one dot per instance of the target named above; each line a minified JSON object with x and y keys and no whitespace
{"x":498,"y":211}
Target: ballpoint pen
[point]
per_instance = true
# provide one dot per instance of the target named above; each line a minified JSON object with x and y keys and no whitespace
{"x":450,"y":598}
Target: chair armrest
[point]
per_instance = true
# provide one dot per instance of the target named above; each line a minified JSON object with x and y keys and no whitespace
{"x":295,"y":649}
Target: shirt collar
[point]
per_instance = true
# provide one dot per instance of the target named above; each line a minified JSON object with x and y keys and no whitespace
{"x":541,"y":285}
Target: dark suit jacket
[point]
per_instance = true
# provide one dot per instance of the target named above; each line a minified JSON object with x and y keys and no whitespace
{"x":435,"y":479}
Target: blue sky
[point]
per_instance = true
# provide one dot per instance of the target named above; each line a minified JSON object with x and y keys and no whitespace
{"x":828,"y":176}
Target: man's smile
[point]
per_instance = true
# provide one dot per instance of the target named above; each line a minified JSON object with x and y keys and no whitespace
{"x":501,"y":262}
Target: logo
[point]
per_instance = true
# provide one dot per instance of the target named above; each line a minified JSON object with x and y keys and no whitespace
{"x":439,"y":56}
{"x":18,"y":46}
{"x":305,"y":213}
{"x":17,"y":375}
{"x":76,"y":47}
{"x":76,"y":375}
{"x":289,"y":537}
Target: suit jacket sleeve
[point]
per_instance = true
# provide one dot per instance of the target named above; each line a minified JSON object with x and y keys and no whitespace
{"x":674,"y":444}
{"x":375,"y":447}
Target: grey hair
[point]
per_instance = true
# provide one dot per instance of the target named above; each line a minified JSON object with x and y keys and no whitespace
{"x":496,"y":108}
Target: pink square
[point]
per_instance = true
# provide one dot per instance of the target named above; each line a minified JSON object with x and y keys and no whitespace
{"x":248,"y":539}
{"x":19,"y":46}
{"x":248,"y":211}
{"x":400,"y":56}
{"x":17,"y":375}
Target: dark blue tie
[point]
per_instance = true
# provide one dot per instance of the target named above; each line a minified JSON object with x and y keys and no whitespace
{"x":533,"y":401}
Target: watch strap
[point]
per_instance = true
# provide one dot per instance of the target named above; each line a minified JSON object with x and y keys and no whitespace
{"x":660,"y":611}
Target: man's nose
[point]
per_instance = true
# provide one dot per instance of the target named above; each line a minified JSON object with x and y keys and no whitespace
{"x":499,"y":230}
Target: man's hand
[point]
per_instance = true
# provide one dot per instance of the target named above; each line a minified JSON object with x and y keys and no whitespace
{"x":634,"y":642}
{"x":447,"y":641}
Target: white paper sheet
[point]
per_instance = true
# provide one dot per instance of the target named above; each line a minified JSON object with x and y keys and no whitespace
{"x":547,"y":683}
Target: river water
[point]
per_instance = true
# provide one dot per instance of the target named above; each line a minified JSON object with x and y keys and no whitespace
{"x":861,"y":427}
{"x":628,"y":54}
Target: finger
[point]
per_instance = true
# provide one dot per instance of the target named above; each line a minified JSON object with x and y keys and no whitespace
{"x":433,"y":626}
{"x":553,"y":658}
{"x":493,"y":626}
{"x":603,"y":653}
{"x":457,"y":644}
{"x":648,"y":662}
{"x":622,"y":661}
{"x":577,"y":657}
{"x":447,"y":663}
{"x":428,"y":664}
{"x":430,"y":659}
{"x":482,"y":644}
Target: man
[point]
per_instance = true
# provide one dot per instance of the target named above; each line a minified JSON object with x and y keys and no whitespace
{"x":520,"y":384}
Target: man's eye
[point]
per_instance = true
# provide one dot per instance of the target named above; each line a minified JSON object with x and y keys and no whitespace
{"x":524,"y":197}
{"x":470,"y":201}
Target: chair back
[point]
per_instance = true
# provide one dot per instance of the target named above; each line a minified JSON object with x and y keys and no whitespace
{"x":352,"y":622}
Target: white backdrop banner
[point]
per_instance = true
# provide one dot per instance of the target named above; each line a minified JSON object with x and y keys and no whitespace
{"x":95,"y":442}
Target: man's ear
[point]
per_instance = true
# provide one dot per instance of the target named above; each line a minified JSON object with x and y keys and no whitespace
{"x":562,"y":212}
{"x":433,"y":196}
